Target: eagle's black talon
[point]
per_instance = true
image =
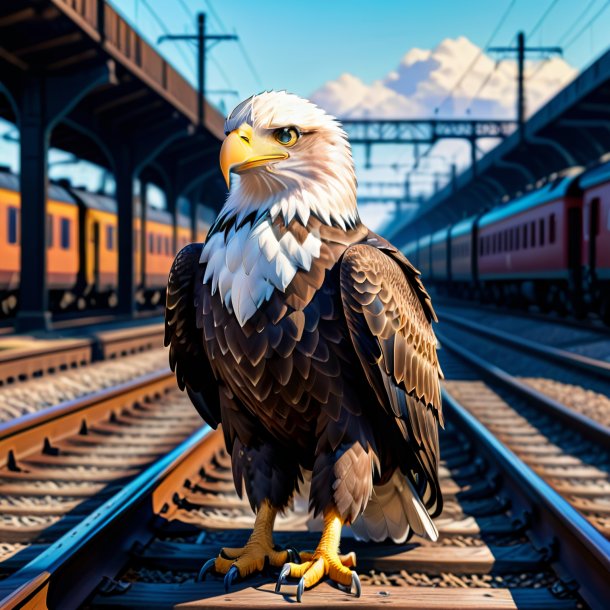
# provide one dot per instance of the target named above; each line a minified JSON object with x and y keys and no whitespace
{"x":281,"y":579}
{"x":231,"y":576}
{"x":356,"y":587}
{"x":207,"y":567}
{"x":293,"y":555}
{"x":300,"y":589}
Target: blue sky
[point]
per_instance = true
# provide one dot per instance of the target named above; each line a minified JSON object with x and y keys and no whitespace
{"x":299,"y":45}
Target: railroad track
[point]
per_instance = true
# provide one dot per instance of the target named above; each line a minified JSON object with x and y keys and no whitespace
{"x":562,"y":445}
{"x":576,"y":382}
{"x":498,"y":546}
{"x":590,"y":323}
{"x":22,"y":359}
{"x":60,"y":464}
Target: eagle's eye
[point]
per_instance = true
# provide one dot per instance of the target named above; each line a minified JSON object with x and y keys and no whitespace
{"x":287,"y":136}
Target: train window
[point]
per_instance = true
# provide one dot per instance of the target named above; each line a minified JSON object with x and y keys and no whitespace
{"x":516,"y":232}
{"x":541,"y":227}
{"x":525,"y":236}
{"x":109,"y":237}
{"x":533,"y":234}
{"x":167,"y":245}
{"x":64,"y":227}
{"x":151,"y":243}
{"x":552,"y":229}
{"x":49,"y":230}
{"x":493,"y":243}
{"x":13,"y":221}
{"x":159,"y":245}
{"x":510,"y":240}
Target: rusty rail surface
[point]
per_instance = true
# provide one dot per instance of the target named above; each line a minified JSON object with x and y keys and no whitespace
{"x":29,"y":432}
{"x":581,"y":550}
{"x":566,"y":357}
{"x":30,"y":360}
{"x":101,"y":543}
{"x":517,"y":520}
{"x":592,"y":429}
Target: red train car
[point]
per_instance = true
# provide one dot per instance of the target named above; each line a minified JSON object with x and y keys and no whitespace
{"x":425,"y":264}
{"x":530,"y":248}
{"x":595,"y":251}
{"x":439,"y":258}
{"x":411,"y":251}
{"x":462,"y":255}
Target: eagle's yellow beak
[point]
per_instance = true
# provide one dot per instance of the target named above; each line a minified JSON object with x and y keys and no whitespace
{"x":240,"y":152}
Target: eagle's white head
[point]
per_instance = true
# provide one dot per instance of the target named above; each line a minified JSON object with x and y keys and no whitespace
{"x":291,"y":157}
{"x":294,"y":164}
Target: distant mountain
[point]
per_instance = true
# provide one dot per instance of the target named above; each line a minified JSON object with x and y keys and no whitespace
{"x":423,"y":79}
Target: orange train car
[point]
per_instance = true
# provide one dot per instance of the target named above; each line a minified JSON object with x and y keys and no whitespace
{"x":62,"y":243}
{"x":82,"y":247}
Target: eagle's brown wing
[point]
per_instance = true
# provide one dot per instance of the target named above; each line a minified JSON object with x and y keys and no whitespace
{"x":183,"y":334}
{"x":389,"y":317}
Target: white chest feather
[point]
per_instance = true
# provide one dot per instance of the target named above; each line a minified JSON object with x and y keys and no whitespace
{"x":251,"y":262}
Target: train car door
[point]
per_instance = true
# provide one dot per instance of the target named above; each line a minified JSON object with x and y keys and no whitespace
{"x":575,"y":249}
{"x":96,"y":255}
{"x":593,"y":233}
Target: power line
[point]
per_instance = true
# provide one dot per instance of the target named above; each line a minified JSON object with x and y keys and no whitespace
{"x":586,"y":26}
{"x":478,"y":55}
{"x":214,"y":14}
{"x":565,"y":35}
{"x":542,"y":18}
{"x":482,"y":86}
{"x":186,"y":9}
{"x":250,"y":64}
{"x":240,"y":45}
{"x":576,"y":23}
{"x":164,"y":29}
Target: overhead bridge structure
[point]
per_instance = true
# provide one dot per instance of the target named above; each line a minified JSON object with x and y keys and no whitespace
{"x":571,"y":129}
{"x":75,"y":75}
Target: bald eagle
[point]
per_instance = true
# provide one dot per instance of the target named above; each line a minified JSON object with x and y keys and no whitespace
{"x":309,"y":338}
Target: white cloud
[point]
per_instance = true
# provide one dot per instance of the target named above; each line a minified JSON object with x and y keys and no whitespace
{"x":423,"y":80}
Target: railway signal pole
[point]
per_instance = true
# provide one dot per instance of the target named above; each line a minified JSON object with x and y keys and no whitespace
{"x":200,"y":38}
{"x":521,"y":50}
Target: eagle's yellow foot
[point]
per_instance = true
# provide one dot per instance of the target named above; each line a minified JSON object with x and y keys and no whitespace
{"x":325,"y":561}
{"x":259,"y":551}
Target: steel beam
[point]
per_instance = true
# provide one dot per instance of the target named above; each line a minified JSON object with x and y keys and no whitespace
{"x":43,"y":101}
{"x":423,"y":131}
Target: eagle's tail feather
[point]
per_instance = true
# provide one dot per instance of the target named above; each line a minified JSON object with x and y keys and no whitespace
{"x":394,"y":511}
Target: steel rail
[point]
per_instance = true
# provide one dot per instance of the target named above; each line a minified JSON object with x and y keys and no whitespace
{"x":590,"y":324}
{"x":562,"y":356}
{"x":581,"y":551}
{"x":29,"y":432}
{"x":66,"y":573}
{"x":590,"y":428}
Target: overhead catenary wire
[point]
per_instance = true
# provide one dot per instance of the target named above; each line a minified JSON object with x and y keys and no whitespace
{"x":478,"y":56}
{"x":542,"y":18}
{"x":160,"y":23}
{"x":587,"y":25}
{"x":578,"y":34}
{"x":482,"y":86}
{"x":576,"y":23}
{"x":240,"y":44}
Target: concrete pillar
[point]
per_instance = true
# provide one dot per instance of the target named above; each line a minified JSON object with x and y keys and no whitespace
{"x":125,"y":204}
{"x":43,"y":101}
{"x":33,"y":296}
